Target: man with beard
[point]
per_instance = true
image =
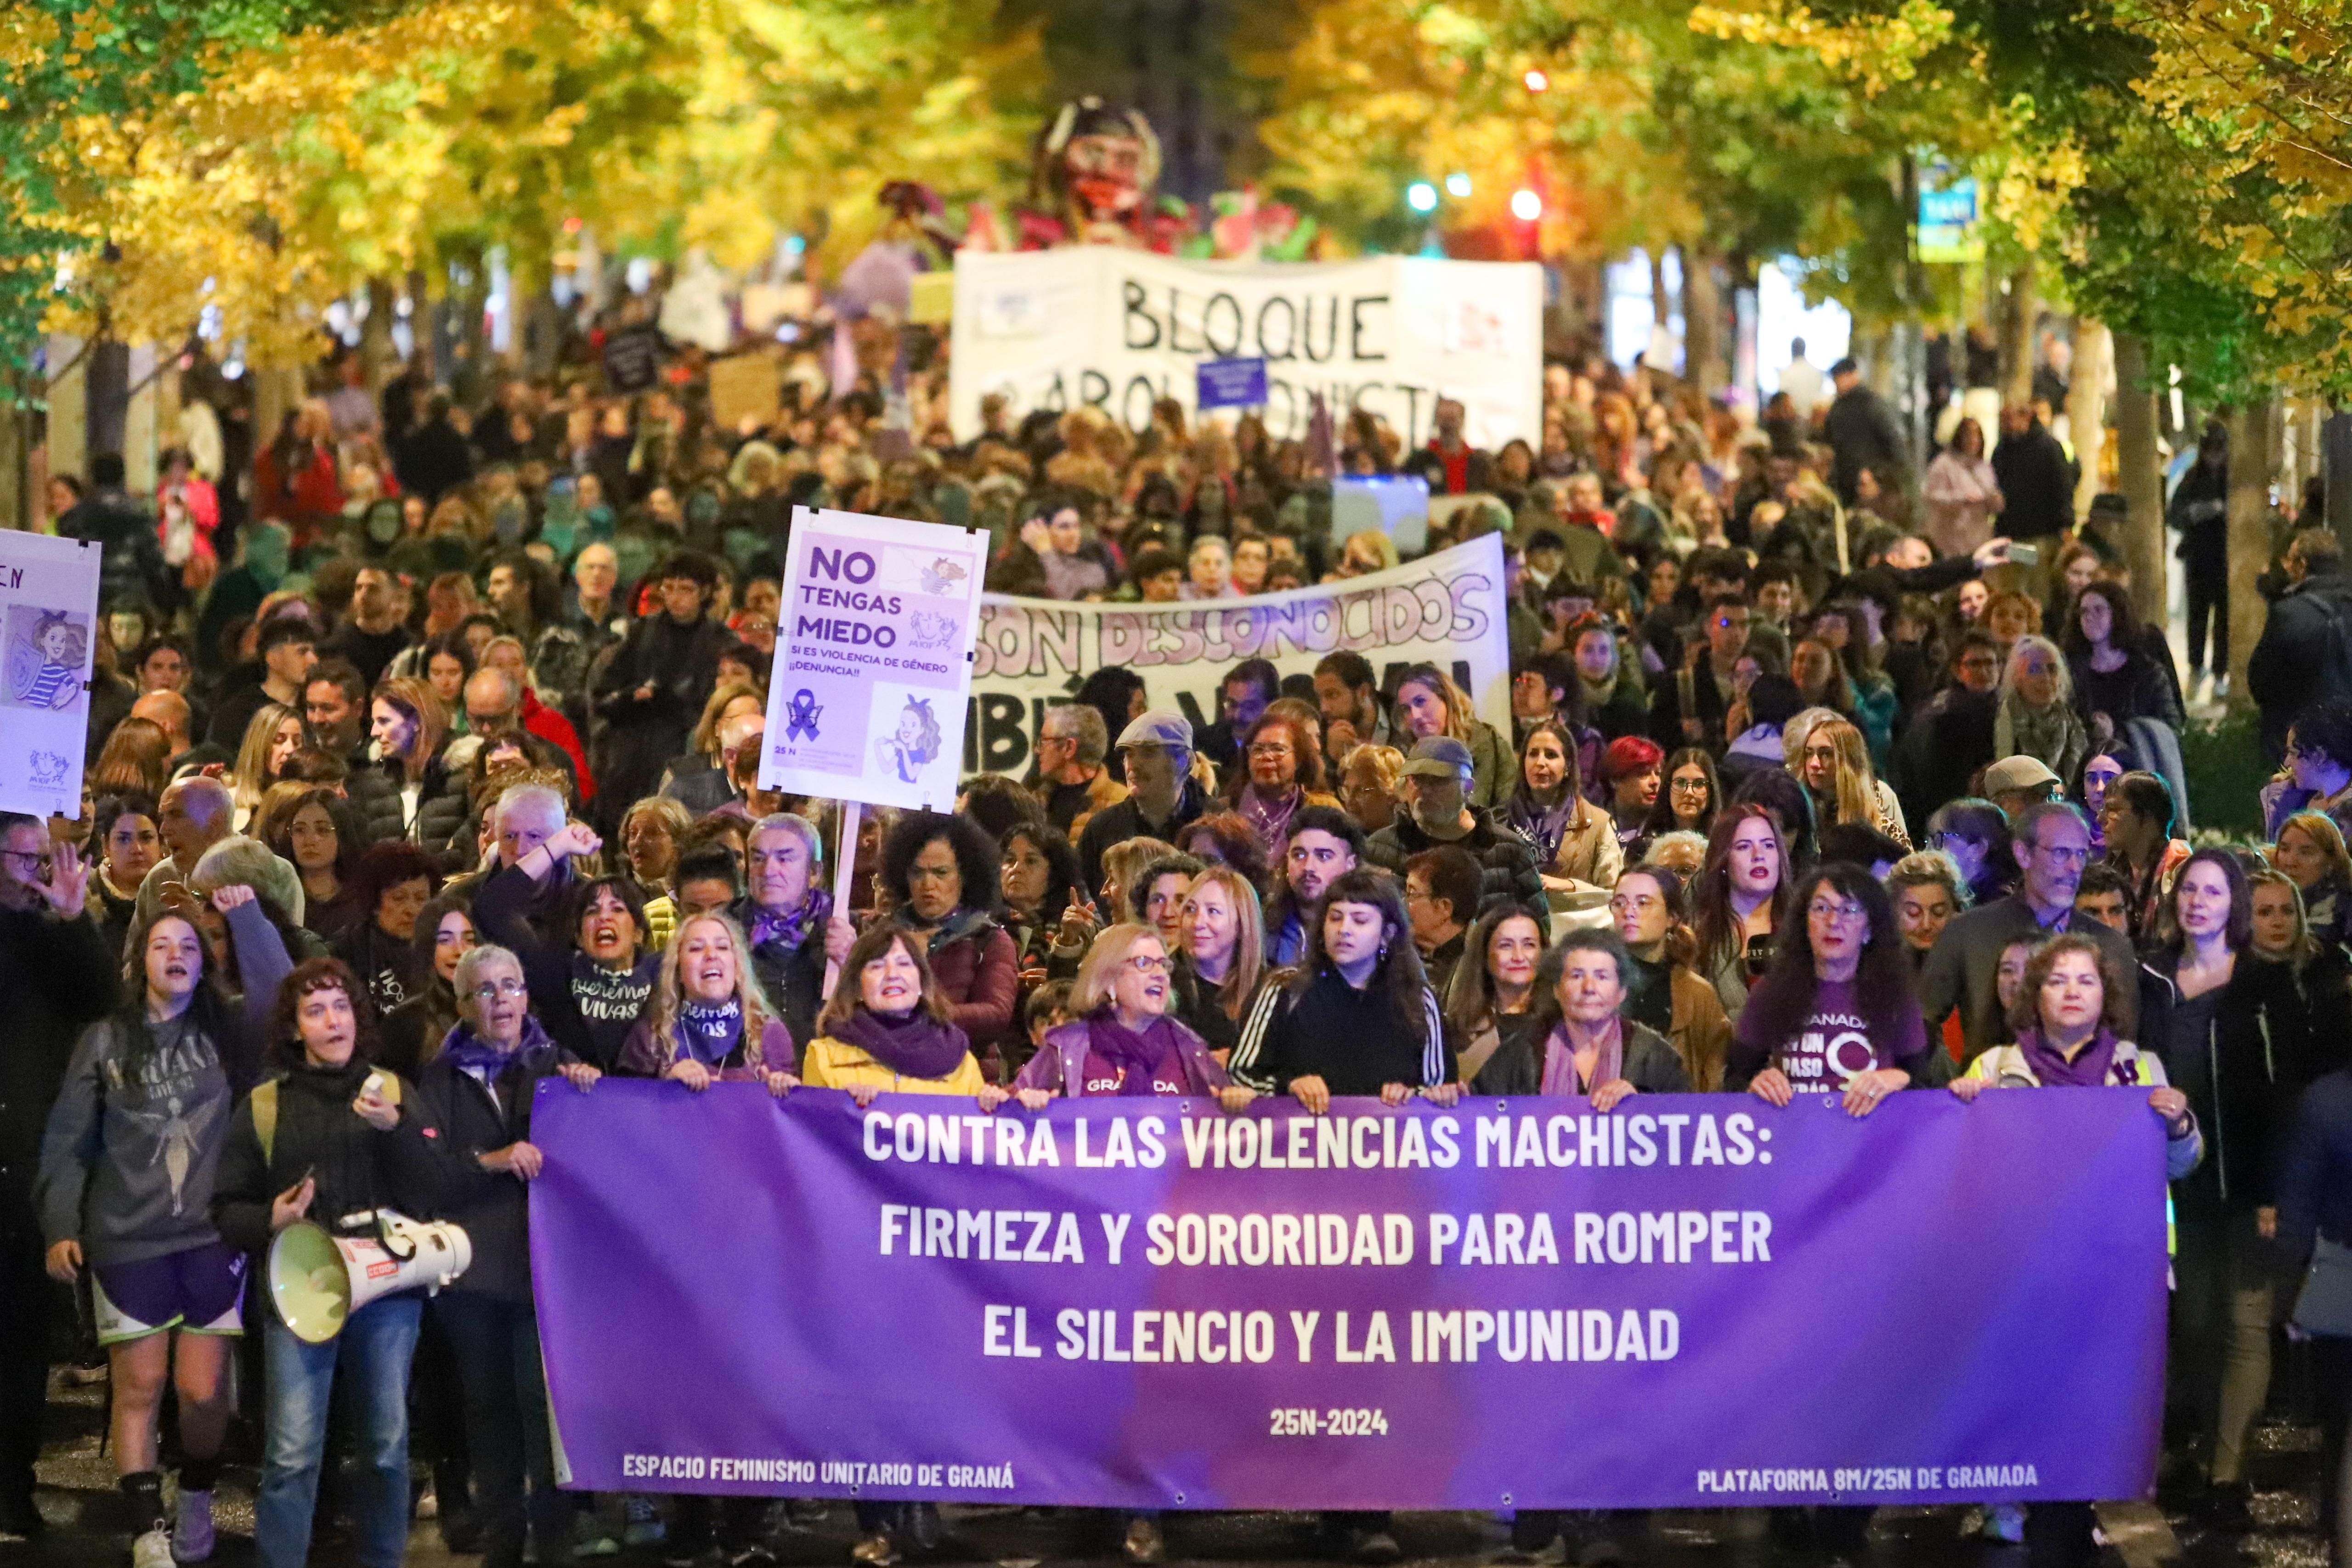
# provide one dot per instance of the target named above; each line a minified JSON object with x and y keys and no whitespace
{"x":1435,"y":787}
{"x":1324,"y":844}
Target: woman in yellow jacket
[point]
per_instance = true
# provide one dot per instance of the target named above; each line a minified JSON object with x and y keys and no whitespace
{"x":886,"y":1030}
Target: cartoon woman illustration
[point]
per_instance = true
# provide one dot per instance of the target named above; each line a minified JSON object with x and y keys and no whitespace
{"x":915,"y":741}
{"x":46,"y":671}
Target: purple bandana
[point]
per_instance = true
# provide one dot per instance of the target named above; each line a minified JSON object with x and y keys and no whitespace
{"x":813,"y":914}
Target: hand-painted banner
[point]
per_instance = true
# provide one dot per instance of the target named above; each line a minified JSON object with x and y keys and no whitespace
{"x":1690,"y":1301}
{"x":1446,"y":609}
{"x":1118,"y":330}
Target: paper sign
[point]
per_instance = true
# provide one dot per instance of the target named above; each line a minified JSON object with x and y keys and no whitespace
{"x":1395,"y":504}
{"x":873,"y":659}
{"x":1231,"y":383}
{"x":48,"y":612}
{"x":745,"y":386}
{"x":931,"y":298}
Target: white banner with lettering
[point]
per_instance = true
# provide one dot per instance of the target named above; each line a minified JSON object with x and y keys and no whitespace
{"x":1118,"y":329}
{"x":1445,"y":610}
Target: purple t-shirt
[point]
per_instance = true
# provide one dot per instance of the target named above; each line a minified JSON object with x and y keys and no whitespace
{"x":1834,"y":1043}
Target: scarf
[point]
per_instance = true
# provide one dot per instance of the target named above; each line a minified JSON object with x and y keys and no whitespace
{"x":1271,"y":821}
{"x":1597,"y":692}
{"x":911,"y":1045}
{"x":2053,"y":736}
{"x":707,"y":1034}
{"x":2089,"y":1069}
{"x":1141,"y":1055}
{"x":961,"y":922}
{"x":1559,"y":1061}
{"x":792,"y":929}
{"x":1542,"y":825}
{"x":469,"y":1052}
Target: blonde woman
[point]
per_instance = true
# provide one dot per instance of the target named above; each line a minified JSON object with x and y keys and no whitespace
{"x":1224,"y":957}
{"x":887,"y":1028}
{"x":707,"y":1019}
{"x":2310,"y":850}
{"x":1429,"y":704}
{"x":1832,"y":761}
{"x":273,"y":734}
{"x":2036,"y":717}
{"x":1122,"y":1039}
{"x":1368,"y":785}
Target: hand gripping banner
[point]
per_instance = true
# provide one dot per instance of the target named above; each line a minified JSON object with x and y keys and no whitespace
{"x":1690,"y":1301}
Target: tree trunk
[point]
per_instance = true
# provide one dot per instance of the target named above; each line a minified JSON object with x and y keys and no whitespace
{"x":2250,"y":539}
{"x":2017,"y":318}
{"x":2087,"y":406}
{"x":1703,"y":361}
{"x":2142,"y":481}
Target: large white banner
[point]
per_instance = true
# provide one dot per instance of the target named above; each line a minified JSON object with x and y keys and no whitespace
{"x":48,"y":614}
{"x":1118,"y":329}
{"x":1445,"y":610}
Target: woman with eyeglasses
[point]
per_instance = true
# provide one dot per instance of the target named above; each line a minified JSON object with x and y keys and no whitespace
{"x":1835,"y":1014}
{"x":2036,"y":715}
{"x":1743,"y":902}
{"x":2237,"y":1031}
{"x":1221,"y":958}
{"x":1491,"y":1003}
{"x":1123,"y":1040}
{"x":1281,"y":771}
{"x":477,"y":1093}
{"x":940,"y":880}
{"x":1576,"y":842}
{"x":1690,"y":798}
{"x":1649,"y":912}
{"x":592,"y":990}
{"x":709,"y":1019}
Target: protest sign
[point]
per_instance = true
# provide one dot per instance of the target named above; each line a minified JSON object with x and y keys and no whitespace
{"x":867,"y":698}
{"x":1446,"y":609}
{"x":1229,"y":383}
{"x":1693,"y":1301}
{"x":48,"y":614}
{"x":1116,"y":329}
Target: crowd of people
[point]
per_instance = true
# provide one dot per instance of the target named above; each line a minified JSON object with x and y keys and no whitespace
{"x":424,"y":766}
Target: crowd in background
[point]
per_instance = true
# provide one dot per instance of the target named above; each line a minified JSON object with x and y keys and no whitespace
{"x":424,"y":766}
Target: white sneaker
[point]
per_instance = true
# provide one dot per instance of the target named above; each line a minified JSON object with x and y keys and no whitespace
{"x":192,"y":1530}
{"x":151,"y":1550}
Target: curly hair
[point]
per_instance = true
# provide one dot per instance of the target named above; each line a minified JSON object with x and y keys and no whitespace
{"x":1778,"y":1004}
{"x":319,"y":975}
{"x":976,"y":859}
{"x":1228,"y":841}
{"x":662,"y":1010}
{"x":1062,"y":876}
{"x":2025,"y":1012}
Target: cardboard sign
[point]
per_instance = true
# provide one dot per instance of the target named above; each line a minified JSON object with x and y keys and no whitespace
{"x":1231,"y":383}
{"x":745,"y":386}
{"x":873,"y":664}
{"x":48,"y":615}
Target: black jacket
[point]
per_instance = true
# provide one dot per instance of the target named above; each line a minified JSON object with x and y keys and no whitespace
{"x":1507,"y":862}
{"x":793,"y":978}
{"x":1862,"y":432}
{"x":2291,"y":665}
{"x":318,"y":1132}
{"x":1651,"y":1065}
{"x":2038,"y":483}
{"x":493,"y":1207}
{"x":58,"y":976}
{"x":2314,"y":1187}
{"x":133,"y":571}
{"x":1124,"y":820}
{"x":680,"y":662}
{"x":443,"y":807}
{"x":588,"y":1009}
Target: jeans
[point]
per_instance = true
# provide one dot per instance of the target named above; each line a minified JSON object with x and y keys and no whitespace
{"x":376,"y":1345}
{"x":497,"y":1347}
{"x":2208,"y":576}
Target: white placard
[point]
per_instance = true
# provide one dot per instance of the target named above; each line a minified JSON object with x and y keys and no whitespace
{"x":1117,"y":329}
{"x":873,"y":667}
{"x":48,"y":613}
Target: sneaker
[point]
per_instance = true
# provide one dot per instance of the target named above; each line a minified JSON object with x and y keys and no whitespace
{"x":875,"y":1551}
{"x":192,"y":1529}
{"x":1144,"y":1543}
{"x":754,"y":1556}
{"x":591,"y":1539}
{"x":83,"y":1376}
{"x":2005,"y":1523}
{"x":426,"y":1504}
{"x":151,"y":1550}
{"x":640,"y":1524}
{"x":1375,"y":1546}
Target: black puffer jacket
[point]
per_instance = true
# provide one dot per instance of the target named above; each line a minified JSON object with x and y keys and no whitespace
{"x":493,"y":1207}
{"x":1507,"y":861}
{"x":442,"y":808}
{"x":357,"y":1168}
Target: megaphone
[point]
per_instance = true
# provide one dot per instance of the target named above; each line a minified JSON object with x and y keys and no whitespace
{"x":318,"y":1279}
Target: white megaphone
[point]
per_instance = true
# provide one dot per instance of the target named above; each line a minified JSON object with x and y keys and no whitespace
{"x":318,"y":1279}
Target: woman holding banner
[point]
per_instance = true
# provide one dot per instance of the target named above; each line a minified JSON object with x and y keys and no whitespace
{"x":1124,"y":1040}
{"x":709,"y":1020}
{"x":940,"y":879}
{"x":1491,"y":1004}
{"x":592,"y":988}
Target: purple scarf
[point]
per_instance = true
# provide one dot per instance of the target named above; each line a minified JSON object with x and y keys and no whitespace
{"x":469,"y":1052}
{"x":2089,"y":1069}
{"x":1271,"y":822}
{"x":1559,"y":1061}
{"x":813,"y":914}
{"x":1141,"y":1056}
{"x":913,"y":1045}
{"x":709,"y":1035}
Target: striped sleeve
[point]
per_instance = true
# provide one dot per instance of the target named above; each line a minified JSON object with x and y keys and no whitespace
{"x":1432,"y":1046}
{"x":1246,"y":1066}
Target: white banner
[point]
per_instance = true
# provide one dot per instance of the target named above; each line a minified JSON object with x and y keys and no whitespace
{"x":1118,"y":329}
{"x":48,"y":613}
{"x":1445,"y":610}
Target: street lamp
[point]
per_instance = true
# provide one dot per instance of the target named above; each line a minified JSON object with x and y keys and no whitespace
{"x":1421,"y":196}
{"x":1458,"y":186}
{"x":1526,"y":205}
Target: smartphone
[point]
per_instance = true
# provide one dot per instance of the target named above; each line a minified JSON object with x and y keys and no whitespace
{"x":2024,"y":555}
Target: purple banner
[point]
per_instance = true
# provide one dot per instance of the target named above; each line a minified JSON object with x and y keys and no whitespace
{"x":1691,"y":1301}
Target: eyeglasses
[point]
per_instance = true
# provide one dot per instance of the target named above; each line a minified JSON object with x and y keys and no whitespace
{"x":1823,"y":909}
{"x":1149,"y":963}
{"x":490,"y":989}
{"x":1690,"y":786}
{"x":1270,"y":749}
{"x":29,"y":858}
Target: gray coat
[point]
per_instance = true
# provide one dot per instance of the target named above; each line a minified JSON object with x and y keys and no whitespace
{"x":1963,"y":972}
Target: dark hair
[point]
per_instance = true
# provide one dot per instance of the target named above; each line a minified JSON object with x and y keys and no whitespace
{"x":1110,"y":692}
{"x":1452,"y":873}
{"x":2026,"y":1012}
{"x":1259,"y":673}
{"x":106,"y":469}
{"x":107,"y":808}
{"x":999,"y":804}
{"x":1717,"y":928}
{"x":2239,"y":932}
{"x":1062,"y":873}
{"x":714,"y":864}
{"x":452,"y":644}
{"x":2123,"y":626}
{"x":849,"y":997}
{"x":692,"y":565}
{"x":1237,"y":846}
{"x":583,"y":898}
{"x":1774,"y":699}
{"x":283,"y":628}
{"x":1154,"y":560}
{"x":345,"y":678}
{"x":321,"y":974}
{"x":1139,"y":895}
{"x":1661,"y":818}
{"x":1351,"y":669}
{"x":347,"y":835}
{"x":1470,"y":995}
{"x":384,"y":866}
{"x":1571,"y":782}
{"x":1780,"y":1003}
{"x":1857,"y":844}
{"x":438,"y":1002}
{"x":206,"y":1009}
{"x":314,"y":764}
{"x":2326,"y":727}
{"x":156,"y":644}
{"x":1784,"y":794}
{"x":1399,"y":972}
{"x":1308,"y":758}
{"x":2099,"y":877}
{"x":976,"y":858}
{"x":1327,"y":820}
{"x":2148,"y":795}
{"x":1584,"y":939}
